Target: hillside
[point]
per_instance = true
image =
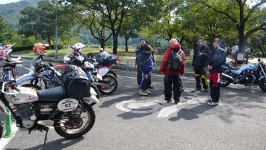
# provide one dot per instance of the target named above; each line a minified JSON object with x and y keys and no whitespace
{"x":11,"y":11}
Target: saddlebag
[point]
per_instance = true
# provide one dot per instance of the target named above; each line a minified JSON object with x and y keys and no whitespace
{"x":78,"y":88}
{"x":75,"y":82}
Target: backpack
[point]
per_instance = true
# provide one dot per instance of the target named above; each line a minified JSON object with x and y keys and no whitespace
{"x":175,"y":60}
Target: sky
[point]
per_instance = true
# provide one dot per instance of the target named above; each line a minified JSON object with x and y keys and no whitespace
{"x":8,"y":1}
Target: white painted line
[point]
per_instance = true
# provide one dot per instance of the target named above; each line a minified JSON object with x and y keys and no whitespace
{"x":5,"y":141}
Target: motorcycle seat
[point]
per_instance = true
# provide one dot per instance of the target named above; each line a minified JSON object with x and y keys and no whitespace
{"x":52,"y":94}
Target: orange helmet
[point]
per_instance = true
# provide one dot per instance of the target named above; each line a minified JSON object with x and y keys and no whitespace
{"x":39,"y":48}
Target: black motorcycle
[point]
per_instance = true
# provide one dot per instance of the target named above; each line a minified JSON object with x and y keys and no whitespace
{"x":246,"y":75}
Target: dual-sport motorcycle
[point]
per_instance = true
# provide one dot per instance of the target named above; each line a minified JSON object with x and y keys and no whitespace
{"x":68,"y":108}
{"x":41,"y":72}
{"x":246,"y":75}
{"x":106,"y":86}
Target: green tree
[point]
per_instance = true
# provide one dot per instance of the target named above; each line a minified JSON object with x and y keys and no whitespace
{"x":94,"y":22}
{"x":247,"y":18}
{"x":113,"y":12}
{"x":5,"y":31}
{"x":40,"y":21}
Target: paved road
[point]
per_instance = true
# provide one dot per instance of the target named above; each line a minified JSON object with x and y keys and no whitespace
{"x":126,"y":120}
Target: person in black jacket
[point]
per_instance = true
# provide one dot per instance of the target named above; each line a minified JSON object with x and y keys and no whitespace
{"x":146,"y":63}
{"x":199,"y":64}
{"x":216,"y":59}
{"x":138,"y":53}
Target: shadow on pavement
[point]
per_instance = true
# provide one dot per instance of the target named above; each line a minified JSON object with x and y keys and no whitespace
{"x":193,"y":113}
{"x":56,"y":144}
{"x":115,"y":100}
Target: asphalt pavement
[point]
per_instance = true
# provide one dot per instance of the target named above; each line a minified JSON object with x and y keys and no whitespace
{"x":125,"y":120}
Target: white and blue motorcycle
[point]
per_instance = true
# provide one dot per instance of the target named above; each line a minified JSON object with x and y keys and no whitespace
{"x":246,"y":75}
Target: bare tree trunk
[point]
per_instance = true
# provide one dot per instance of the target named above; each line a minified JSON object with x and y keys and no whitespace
{"x":126,"y":44}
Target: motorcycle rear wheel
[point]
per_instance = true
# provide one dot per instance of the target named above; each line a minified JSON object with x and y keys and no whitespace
{"x":224,"y":82}
{"x":70,"y":127}
{"x":262,"y":84}
{"x":109,"y":88}
{"x":33,"y":86}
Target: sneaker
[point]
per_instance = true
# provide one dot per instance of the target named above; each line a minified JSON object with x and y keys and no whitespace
{"x":197,"y":89}
{"x":206,"y":90}
{"x":209,"y":100}
{"x":176,"y":101}
{"x":168,"y":101}
{"x":142,"y":93}
{"x":150,"y":87}
{"x":147,"y":91}
{"x":213,"y":103}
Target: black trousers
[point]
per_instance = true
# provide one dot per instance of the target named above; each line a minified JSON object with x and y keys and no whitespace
{"x":139,"y":74}
{"x":200,"y":76}
{"x":172,"y":82}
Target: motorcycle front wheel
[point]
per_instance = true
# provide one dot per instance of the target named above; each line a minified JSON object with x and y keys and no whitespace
{"x":96,"y":90}
{"x":262,"y":84}
{"x":224,"y":82}
{"x":110,"y":85}
{"x":75,"y":123}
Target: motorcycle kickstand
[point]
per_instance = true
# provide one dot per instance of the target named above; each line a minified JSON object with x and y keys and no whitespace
{"x":45,"y":138}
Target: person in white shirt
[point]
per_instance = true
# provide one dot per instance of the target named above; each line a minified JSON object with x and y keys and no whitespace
{"x":102,"y":56}
{"x":234,"y":50}
{"x":103,"y":53}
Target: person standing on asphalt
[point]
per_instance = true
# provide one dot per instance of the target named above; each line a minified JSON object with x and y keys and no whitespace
{"x":199,"y":64}
{"x":138,"y":53}
{"x":172,"y":77}
{"x":146,"y":65}
{"x":216,"y":59}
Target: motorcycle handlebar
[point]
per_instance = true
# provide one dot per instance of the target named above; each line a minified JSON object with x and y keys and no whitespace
{"x":3,"y":88}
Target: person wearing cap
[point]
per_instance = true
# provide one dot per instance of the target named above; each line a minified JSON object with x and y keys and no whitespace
{"x":216,"y":59}
{"x":146,"y":63}
{"x":171,"y":78}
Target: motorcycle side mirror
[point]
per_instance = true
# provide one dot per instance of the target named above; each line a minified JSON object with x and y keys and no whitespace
{"x":50,"y":64}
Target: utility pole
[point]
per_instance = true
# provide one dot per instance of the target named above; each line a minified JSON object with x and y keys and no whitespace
{"x":56,"y":31}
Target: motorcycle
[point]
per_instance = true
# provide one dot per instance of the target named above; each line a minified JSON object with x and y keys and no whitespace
{"x":246,"y":75}
{"x":106,"y":86}
{"x":102,"y":69}
{"x":69,"y":112}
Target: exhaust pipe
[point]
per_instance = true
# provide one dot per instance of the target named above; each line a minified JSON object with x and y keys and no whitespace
{"x":227,"y":76}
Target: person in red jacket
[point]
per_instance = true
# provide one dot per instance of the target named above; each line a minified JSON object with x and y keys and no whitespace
{"x":172,"y":77}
